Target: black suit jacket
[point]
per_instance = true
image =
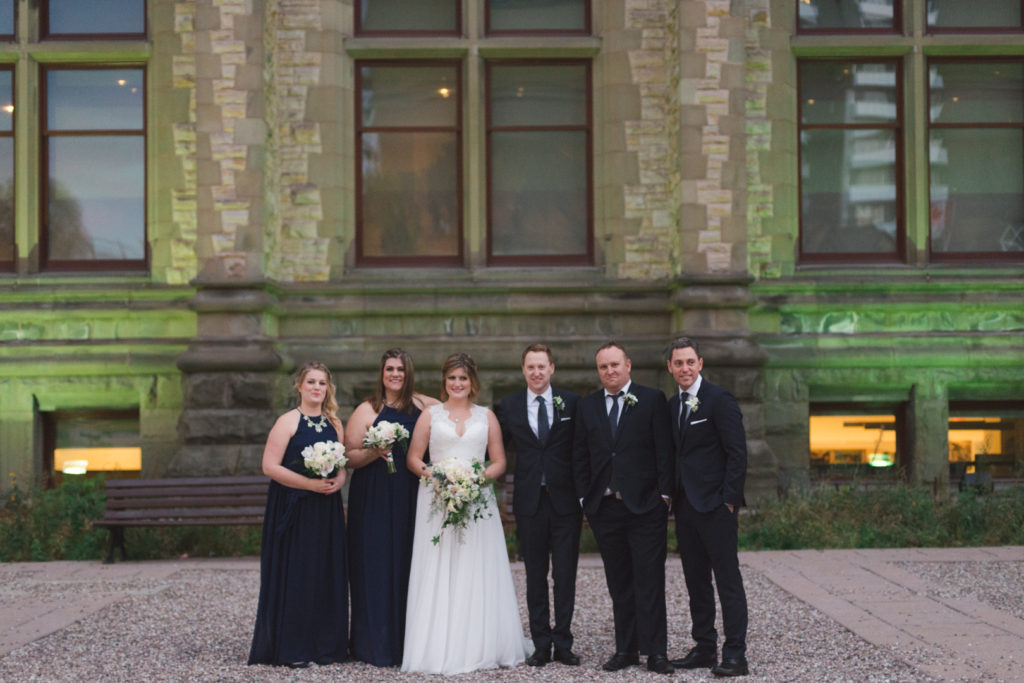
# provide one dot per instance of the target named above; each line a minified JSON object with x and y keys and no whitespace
{"x":637,"y":460}
{"x":531,"y":457}
{"x":711,"y":452}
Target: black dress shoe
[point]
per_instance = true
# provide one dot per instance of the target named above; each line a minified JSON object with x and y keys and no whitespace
{"x":298,"y":665}
{"x":731,"y":666}
{"x":566,"y":656}
{"x":540,"y":657}
{"x":659,"y":664}
{"x":620,"y":660}
{"x":696,"y":659}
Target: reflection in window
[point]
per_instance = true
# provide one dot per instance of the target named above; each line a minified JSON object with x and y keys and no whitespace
{"x":409,"y":150}
{"x":530,"y":16}
{"x":850,"y":141}
{"x":958,"y":14}
{"x":538,"y":146}
{"x":847,"y":15}
{"x":437,"y":17}
{"x":91,"y":442}
{"x":854,"y":445}
{"x":95,"y":158}
{"x":976,"y":156}
{"x":6,"y":169}
{"x":107,"y":18}
{"x":6,"y":19}
{"x":986,"y":440}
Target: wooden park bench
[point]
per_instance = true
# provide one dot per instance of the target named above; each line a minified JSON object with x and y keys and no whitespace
{"x":209,"y":501}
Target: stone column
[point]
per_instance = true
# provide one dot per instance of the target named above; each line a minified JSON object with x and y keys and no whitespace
{"x":230,"y":369}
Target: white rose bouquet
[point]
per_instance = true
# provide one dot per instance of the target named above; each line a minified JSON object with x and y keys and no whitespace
{"x":385,"y":435}
{"x":458,"y":492}
{"x":324,"y":457}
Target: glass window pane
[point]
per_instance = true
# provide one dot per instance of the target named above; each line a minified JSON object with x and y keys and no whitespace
{"x":96,"y":202}
{"x":409,"y":96}
{"x":987,"y":442}
{"x":539,"y":193}
{"x":427,"y":16}
{"x":539,"y":95}
{"x":6,"y":17}
{"x":100,"y":99}
{"x":961,"y":14}
{"x":845,"y":92}
{"x":848,"y":191}
{"x":6,"y":101}
{"x":846,"y":14}
{"x":977,"y":190}
{"x":976,"y":92}
{"x":410,"y":197}
{"x":97,"y":17}
{"x":853,"y":446}
{"x":6,"y":200}
{"x":537,"y":15}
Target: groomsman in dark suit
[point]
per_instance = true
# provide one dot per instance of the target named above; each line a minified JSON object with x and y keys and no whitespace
{"x":622,"y":462}
{"x":711,"y":467}
{"x":537,"y":426}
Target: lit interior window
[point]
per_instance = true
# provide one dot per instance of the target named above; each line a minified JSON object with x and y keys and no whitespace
{"x":849,"y":444}
{"x":986,"y":441}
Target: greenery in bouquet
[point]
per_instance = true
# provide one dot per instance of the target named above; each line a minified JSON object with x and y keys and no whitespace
{"x":384,"y":435}
{"x":458,"y":493}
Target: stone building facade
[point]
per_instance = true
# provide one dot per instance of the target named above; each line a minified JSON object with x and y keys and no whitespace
{"x":252,"y":217}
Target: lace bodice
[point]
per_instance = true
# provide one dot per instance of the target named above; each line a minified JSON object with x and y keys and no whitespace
{"x":445,"y":441}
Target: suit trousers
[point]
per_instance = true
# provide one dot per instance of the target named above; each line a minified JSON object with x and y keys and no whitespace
{"x":549,"y":539}
{"x":707,"y":543}
{"x":633,"y":552}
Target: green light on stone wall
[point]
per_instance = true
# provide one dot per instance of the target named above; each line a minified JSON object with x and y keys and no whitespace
{"x":881,"y":459}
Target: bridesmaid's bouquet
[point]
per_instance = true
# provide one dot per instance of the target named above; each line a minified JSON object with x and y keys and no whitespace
{"x":324,"y":457}
{"x":385,"y":435}
{"x":458,"y":492}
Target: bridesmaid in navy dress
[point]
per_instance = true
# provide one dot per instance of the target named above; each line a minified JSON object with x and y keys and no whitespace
{"x":381,"y":516}
{"x":302,"y":615}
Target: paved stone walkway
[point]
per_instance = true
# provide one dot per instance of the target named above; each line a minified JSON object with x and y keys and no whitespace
{"x":948,"y":614}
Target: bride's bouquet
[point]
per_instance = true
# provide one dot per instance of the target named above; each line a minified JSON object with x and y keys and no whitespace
{"x":458,"y":492}
{"x":324,"y":457}
{"x":385,"y":435}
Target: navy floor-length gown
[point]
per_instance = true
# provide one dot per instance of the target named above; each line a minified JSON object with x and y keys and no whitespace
{"x":381,"y":518}
{"x":303,"y":607}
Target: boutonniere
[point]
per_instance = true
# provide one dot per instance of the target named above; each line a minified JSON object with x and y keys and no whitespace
{"x":558,"y":403}
{"x":693,"y":403}
{"x":630,"y":400}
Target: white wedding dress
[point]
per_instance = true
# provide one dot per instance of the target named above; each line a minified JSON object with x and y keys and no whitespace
{"x":462,"y":613}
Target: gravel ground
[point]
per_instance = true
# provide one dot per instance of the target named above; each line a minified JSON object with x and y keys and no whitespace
{"x":996,"y":584}
{"x":197,"y":624}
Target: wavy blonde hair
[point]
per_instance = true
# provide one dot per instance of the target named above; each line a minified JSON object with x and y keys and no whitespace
{"x":464,"y":361}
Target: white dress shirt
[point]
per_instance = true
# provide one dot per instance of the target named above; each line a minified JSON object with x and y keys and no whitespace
{"x":532,"y":406}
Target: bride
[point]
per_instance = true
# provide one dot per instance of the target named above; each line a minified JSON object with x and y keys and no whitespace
{"x":462,"y":613}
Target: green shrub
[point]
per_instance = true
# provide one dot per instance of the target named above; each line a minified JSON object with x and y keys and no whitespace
{"x":55,"y":524}
{"x":901,"y":516}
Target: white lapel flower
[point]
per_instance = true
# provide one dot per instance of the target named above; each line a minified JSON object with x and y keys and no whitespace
{"x":558,"y":403}
{"x":630,"y":399}
{"x":693,"y":403}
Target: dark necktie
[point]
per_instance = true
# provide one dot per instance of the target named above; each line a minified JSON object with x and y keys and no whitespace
{"x":613,"y":416}
{"x":543,"y":428}
{"x":684,"y":411}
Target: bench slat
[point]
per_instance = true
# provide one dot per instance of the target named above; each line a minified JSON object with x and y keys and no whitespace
{"x":220,"y":521}
{"x":183,"y":502}
{"x":185,"y":491}
{"x":185,"y":481}
{"x":176,"y":512}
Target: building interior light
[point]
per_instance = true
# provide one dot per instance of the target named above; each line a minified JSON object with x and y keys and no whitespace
{"x":75,"y":467}
{"x":103,"y":459}
{"x":444,"y":92}
{"x":9,"y":108}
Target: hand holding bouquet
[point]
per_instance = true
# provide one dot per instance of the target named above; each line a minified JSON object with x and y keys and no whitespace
{"x":324,"y":457}
{"x":458,"y":493}
{"x":384,"y":435}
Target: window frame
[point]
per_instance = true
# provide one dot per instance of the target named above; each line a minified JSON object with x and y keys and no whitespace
{"x":360,"y":32}
{"x":897,"y":25}
{"x":968,"y":30}
{"x":899,"y":127}
{"x":92,"y":265}
{"x":46,"y":35}
{"x":585,"y":31}
{"x":586,"y":258}
{"x":966,"y":256}
{"x":363,"y":260}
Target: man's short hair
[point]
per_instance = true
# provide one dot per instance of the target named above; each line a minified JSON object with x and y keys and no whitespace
{"x":538,"y":348}
{"x":612,"y":344}
{"x":684,"y":343}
